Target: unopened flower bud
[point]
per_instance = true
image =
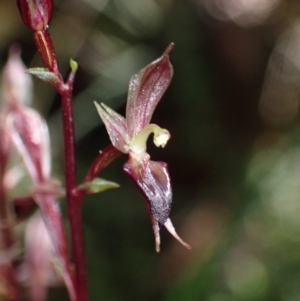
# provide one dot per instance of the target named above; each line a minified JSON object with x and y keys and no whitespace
{"x":36,"y":14}
{"x":16,"y":85}
{"x":29,"y":133}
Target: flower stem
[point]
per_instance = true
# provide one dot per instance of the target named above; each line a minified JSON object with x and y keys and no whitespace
{"x":47,"y":52}
{"x":73,"y":199}
{"x":74,"y":196}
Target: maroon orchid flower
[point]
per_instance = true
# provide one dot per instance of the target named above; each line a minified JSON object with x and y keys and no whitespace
{"x":130,"y":136}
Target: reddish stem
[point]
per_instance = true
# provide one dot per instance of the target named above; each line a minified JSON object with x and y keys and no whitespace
{"x":47,"y":52}
{"x":73,"y":199}
{"x":74,"y":196}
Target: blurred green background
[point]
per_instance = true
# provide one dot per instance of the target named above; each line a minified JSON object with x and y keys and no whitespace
{"x":234,"y":156}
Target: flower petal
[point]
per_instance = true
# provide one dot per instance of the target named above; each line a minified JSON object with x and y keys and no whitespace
{"x":156,"y":232}
{"x":38,"y":268}
{"x":153,"y":180}
{"x":31,"y":137}
{"x":116,"y":127}
{"x":169,"y":226}
{"x":53,"y":220}
{"x":145,"y":90}
{"x":16,"y":84}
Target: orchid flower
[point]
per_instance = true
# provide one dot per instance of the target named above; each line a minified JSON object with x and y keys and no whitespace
{"x":130,"y":137}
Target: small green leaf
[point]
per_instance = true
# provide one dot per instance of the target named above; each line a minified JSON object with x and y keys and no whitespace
{"x":45,"y":75}
{"x":98,"y":185}
{"x":73,"y":65}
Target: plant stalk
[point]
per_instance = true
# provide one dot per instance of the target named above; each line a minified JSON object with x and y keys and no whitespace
{"x":73,"y":199}
{"x":74,"y":196}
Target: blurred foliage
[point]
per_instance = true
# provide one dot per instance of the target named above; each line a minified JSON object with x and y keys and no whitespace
{"x":234,"y":156}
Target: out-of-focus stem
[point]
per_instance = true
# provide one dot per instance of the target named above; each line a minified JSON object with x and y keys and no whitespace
{"x":7,"y":238}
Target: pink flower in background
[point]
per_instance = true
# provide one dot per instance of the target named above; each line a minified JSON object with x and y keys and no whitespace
{"x":15,"y":83}
{"x":130,"y":137}
{"x":29,"y":138}
{"x":38,"y":270}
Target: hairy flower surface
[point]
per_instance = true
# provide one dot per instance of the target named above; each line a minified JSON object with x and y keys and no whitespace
{"x":130,"y":137}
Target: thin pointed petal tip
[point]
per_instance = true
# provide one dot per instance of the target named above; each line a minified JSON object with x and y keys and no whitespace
{"x":101,"y":109}
{"x":169,"y":226}
{"x":169,"y":48}
{"x":146,"y":89}
{"x":155,"y":227}
{"x":16,"y":85}
{"x":98,"y":107}
{"x":115,"y":125}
